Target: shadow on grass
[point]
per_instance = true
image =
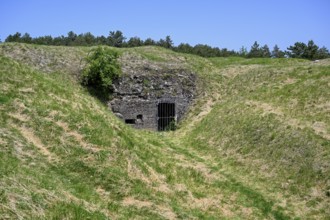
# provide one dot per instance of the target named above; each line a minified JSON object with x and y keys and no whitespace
{"x":100,"y":94}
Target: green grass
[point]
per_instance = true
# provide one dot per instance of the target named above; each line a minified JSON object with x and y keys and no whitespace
{"x":255,"y":144}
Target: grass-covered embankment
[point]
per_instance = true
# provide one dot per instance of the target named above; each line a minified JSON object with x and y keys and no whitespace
{"x":254,"y":145}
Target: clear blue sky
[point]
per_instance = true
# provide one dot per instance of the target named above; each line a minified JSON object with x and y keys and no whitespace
{"x":219,"y":23}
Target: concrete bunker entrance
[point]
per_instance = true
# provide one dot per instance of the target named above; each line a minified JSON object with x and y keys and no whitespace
{"x":166,"y":116}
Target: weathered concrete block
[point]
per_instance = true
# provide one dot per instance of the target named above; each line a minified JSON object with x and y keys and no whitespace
{"x":139,"y":91}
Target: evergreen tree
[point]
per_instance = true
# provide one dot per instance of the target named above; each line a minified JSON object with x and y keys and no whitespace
{"x":297,"y":50}
{"x":71,"y":38}
{"x":101,"y":40}
{"x":89,"y":38}
{"x":227,"y":53}
{"x":14,"y":38}
{"x":116,"y":39}
{"x":80,"y":41}
{"x":44,"y":40}
{"x":149,"y":42}
{"x":255,"y":51}
{"x":184,"y":48}
{"x":168,"y":42}
{"x":322,"y":53}
{"x":204,"y":50}
{"x":265,"y":51}
{"x":277,"y":53}
{"x":301,"y":50}
{"x":311,"y":50}
{"x":58,"y":41}
{"x":243,"y":51}
{"x":26,"y":38}
{"x":134,"y":42}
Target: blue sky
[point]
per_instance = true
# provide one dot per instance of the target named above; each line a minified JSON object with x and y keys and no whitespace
{"x":226,"y":24}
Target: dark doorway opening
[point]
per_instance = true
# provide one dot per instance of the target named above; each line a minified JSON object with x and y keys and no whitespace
{"x":166,"y":116}
{"x":130,"y":121}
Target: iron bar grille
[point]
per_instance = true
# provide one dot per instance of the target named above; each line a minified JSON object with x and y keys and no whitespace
{"x":166,"y":116}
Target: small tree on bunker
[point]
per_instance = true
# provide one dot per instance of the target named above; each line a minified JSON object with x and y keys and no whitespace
{"x":101,"y":69}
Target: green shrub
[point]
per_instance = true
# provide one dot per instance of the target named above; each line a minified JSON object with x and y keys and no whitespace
{"x":101,"y":69}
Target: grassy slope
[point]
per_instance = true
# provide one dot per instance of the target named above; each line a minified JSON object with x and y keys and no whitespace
{"x":255,"y":145}
{"x":270,"y":127}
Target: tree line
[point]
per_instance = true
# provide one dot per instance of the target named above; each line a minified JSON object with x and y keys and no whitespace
{"x":117,"y":39}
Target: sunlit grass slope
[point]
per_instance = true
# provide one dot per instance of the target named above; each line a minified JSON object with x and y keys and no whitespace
{"x":268,"y":122}
{"x":255,"y":144}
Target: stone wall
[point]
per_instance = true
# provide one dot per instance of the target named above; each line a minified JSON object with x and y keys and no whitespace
{"x":139,"y":90}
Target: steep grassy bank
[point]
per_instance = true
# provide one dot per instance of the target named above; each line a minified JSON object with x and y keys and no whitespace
{"x":254,"y":146}
{"x":268,"y":123}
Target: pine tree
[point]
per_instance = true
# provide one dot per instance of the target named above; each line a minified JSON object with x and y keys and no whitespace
{"x":265,"y":51}
{"x":149,"y":42}
{"x":116,"y":39}
{"x":277,"y":53}
{"x":167,"y":42}
{"x":311,"y":50}
{"x":322,"y":53}
{"x":243,"y":51}
{"x":255,"y":51}
{"x":134,"y":42}
{"x":14,"y":38}
{"x":298,"y":50}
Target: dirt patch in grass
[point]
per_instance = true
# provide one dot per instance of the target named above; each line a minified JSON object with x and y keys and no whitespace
{"x":266,"y":108}
{"x":324,"y":106}
{"x":103,"y":193}
{"x":130,"y":201}
{"x":29,"y":135}
{"x":164,"y":211}
{"x":26,"y":90}
{"x":19,"y":105}
{"x":320,"y":128}
{"x":234,"y":71}
{"x":154,"y":180}
{"x":135,"y":173}
{"x":20,"y":117}
{"x":92,"y":207}
{"x":59,"y":99}
{"x":78,"y":137}
{"x":289,"y":81}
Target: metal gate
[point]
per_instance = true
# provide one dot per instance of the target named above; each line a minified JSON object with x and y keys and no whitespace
{"x":166,"y":116}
